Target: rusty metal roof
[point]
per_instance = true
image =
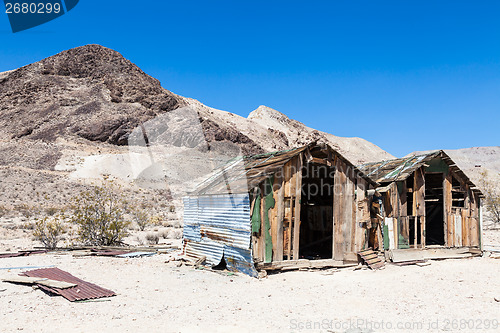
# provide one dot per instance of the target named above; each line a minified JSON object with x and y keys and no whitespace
{"x":401,"y":168}
{"x":22,"y":253}
{"x":84,"y":290}
{"x":245,"y":172}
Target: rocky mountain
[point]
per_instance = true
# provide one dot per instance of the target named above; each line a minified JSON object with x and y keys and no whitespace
{"x":89,"y":92}
{"x":94,"y":93}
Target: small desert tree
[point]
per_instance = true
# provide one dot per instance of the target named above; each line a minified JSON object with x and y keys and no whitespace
{"x":49,"y":230}
{"x":140,"y":215}
{"x":99,"y":215}
{"x":491,"y":197}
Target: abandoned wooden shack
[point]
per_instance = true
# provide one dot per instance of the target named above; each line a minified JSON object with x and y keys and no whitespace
{"x":305,"y":207}
{"x":428,"y":202}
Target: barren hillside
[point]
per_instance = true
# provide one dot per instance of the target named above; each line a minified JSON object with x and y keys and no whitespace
{"x":68,"y":119}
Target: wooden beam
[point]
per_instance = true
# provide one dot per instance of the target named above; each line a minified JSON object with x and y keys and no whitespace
{"x":304,"y":263}
{"x":317,"y":160}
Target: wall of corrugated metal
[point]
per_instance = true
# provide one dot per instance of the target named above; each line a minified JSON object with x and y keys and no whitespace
{"x":219,"y":225}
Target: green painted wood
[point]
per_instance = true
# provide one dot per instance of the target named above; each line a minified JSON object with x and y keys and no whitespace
{"x":386,"y":236}
{"x":256,"y":216}
{"x":437,"y":165}
{"x":403,"y":243}
{"x":268,"y":204}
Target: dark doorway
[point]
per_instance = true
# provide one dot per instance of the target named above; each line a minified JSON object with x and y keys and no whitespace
{"x":434,"y":213}
{"x":316,"y":212}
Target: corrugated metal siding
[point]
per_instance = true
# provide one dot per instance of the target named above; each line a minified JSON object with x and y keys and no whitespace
{"x":84,"y":290}
{"x":219,"y":225}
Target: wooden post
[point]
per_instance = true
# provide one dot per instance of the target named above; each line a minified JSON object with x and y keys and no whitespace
{"x":298,"y":196}
{"x":422,"y":231}
{"x":349,"y":218}
{"x":262,"y":240}
{"x":280,"y":214}
{"x":447,"y":200}
{"x":403,"y":196}
{"x":338,"y":207}
{"x":419,"y":201}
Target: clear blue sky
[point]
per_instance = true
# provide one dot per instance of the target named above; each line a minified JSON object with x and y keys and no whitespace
{"x":406,"y":75}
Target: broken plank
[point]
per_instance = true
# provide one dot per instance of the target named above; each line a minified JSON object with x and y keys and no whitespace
{"x":302,"y":263}
{"x":42,"y":281}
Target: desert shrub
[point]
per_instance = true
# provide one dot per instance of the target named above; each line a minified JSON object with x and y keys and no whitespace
{"x":139,"y":241}
{"x":155,"y":220}
{"x":141,"y":217}
{"x":152,"y":238}
{"x":172,"y":224}
{"x":27,"y":211}
{"x":28,"y":226}
{"x":3,"y":210}
{"x":48,"y":231}
{"x":50,"y":211}
{"x":491,"y":197}
{"x":172,"y":209}
{"x":99,"y":215}
{"x":164,"y":234}
{"x":175,"y":234}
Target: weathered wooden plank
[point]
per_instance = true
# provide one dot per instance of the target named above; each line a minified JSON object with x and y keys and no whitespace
{"x":362,"y":215}
{"x":422,"y":231}
{"x":348,"y":218}
{"x":280,"y":214}
{"x":465,"y":228}
{"x":286,"y":176}
{"x":42,"y":281}
{"x":256,"y":217}
{"x":370,"y":256}
{"x":269,"y":205}
{"x":261,"y":244}
{"x":298,"y":196}
{"x":405,"y":255}
{"x":370,"y":260}
{"x":338,"y":205}
{"x":352,"y":247}
{"x":403,"y":232}
{"x":303,"y":263}
{"x":389,"y":222}
{"x":458,"y":228}
{"x":419,"y":192}
{"x":415,"y":229}
{"x":403,"y":198}
{"x":290,"y":229}
{"x":447,"y":197}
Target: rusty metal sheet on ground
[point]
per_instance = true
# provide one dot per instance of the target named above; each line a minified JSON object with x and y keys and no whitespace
{"x":22,"y":253}
{"x":84,"y":290}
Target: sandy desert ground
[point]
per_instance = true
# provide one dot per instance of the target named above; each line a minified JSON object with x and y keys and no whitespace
{"x":155,"y":295}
